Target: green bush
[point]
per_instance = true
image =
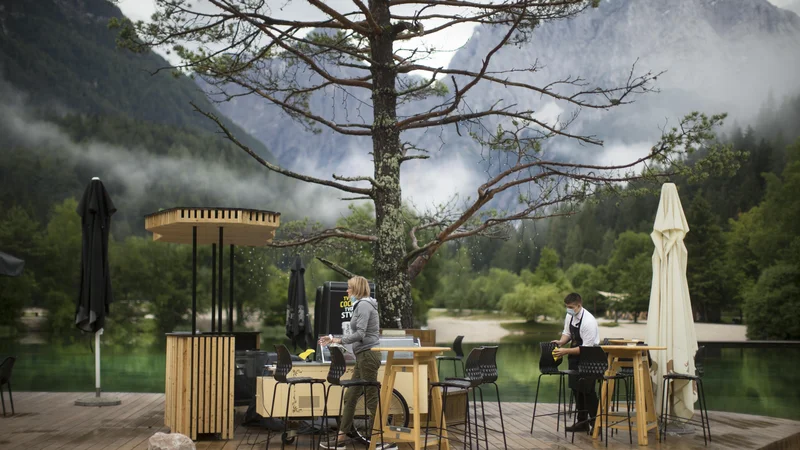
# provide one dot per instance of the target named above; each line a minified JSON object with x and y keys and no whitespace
{"x":777,"y":290}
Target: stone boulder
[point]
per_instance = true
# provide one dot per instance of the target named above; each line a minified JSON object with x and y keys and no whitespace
{"x":170,"y":441}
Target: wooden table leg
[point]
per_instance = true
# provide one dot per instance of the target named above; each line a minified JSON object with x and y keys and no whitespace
{"x":385,"y":399}
{"x":602,"y":403}
{"x":417,"y":429}
{"x":641,"y":399}
{"x":650,"y":399}
{"x":436,"y":409}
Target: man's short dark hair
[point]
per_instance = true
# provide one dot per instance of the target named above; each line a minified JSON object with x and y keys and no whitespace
{"x":573,"y":299}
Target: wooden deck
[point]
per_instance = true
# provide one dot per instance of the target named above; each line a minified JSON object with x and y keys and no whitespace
{"x":46,"y":420}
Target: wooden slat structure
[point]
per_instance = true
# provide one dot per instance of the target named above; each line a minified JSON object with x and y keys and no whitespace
{"x":50,"y":420}
{"x":249,"y":227}
{"x":199,"y":385}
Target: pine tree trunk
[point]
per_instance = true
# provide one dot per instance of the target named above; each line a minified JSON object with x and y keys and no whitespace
{"x":391,"y":280}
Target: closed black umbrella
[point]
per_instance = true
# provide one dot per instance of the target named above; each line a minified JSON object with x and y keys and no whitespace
{"x":11,"y":265}
{"x":95,"y":209}
{"x":298,"y":326}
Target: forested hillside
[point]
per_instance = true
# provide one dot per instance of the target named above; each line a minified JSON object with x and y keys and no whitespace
{"x":743,"y":242}
{"x":74,"y":106}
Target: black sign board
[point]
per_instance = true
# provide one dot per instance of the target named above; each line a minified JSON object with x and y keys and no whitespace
{"x":333,"y":310}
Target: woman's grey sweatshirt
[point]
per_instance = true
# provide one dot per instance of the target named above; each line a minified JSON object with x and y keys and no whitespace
{"x":364,"y":325}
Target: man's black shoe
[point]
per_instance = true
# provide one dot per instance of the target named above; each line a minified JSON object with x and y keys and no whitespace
{"x":580,"y":426}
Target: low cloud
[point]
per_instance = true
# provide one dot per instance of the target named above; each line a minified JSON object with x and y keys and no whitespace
{"x":138,"y":170}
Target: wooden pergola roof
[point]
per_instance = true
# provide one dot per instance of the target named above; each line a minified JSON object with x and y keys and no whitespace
{"x":241,"y":226}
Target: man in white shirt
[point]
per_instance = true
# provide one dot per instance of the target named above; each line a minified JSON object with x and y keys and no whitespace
{"x":580,"y":328}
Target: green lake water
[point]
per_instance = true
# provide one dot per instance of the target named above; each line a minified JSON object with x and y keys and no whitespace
{"x":761,"y":381}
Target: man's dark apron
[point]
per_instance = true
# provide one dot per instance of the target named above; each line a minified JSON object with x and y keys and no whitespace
{"x":577,"y":341}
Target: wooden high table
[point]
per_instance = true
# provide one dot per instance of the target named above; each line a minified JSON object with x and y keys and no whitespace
{"x":422,"y":356}
{"x":646,"y":418}
{"x":200,"y":366}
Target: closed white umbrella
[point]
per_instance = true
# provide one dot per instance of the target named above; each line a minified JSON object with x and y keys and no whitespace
{"x":670,"y":322}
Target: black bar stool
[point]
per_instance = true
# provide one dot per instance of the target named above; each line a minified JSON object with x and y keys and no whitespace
{"x":5,"y":378}
{"x":549,"y":367}
{"x":593,"y":364}
{"x":282,"y":369}
{"x":338,"y":368}
{"x":490,"y":373}
{"x":473,"y":379}
{"x":701,"y":396}
{"x":459,"y":356}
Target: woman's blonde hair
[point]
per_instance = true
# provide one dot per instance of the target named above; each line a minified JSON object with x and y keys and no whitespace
{"x":359,"y":287}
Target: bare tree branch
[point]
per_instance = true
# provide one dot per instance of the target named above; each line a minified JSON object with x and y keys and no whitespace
{"x":278,"y":169}
{"x":314,"y":238}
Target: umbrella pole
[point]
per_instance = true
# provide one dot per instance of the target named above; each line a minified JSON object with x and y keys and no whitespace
{"x":96,"y":400}
{"x":97,"y":362}
{"x":230,"y":294}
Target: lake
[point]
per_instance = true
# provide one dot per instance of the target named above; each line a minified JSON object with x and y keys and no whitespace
{"x":760,"y":381}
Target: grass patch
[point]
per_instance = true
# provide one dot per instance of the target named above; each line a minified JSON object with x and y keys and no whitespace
{"x":609,"y":324}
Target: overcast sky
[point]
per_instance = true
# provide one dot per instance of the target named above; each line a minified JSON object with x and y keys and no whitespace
{"x":446,"y":42}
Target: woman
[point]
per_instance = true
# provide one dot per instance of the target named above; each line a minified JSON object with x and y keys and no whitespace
{"x":364,"y":335}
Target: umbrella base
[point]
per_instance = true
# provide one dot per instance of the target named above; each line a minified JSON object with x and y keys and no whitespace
{"x":97,"y":400}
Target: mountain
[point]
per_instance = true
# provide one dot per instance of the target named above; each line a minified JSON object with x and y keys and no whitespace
{"x":719,"y":56}
{"x":73,"y":105}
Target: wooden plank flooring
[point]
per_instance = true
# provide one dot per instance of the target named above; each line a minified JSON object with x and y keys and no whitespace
{"x":51,"y":421}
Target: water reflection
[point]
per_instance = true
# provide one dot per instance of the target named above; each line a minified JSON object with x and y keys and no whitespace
{"x":752,"y":380}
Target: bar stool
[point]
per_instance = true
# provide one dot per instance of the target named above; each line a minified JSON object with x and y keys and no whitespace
{"x":459,"y":356}
{"x":549,"y":367}
{"x":282,"y":369}
{"x":488,"y":361}
{"x":473,"y":379}
{"x":338,"y":368}
{"x":701,"y":396}
{"x":593,"y":364}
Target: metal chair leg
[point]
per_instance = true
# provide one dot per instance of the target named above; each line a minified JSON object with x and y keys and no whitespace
{"x":563,"y":383}
{"x":326,"y":393}
{"x":558,"y":406}
{"x":500,"y":410}
{"x":704,"y":411}
{"x":3,"y":400}
{"x":536,"y":401}
{"x":272,"y":412}
{"x":628,"y":408}
{"x":664,"y":408}
{"x":475,"y":415}
{"x":607,"y":412}
{"x":286,"y":419}
{"x":441,"y":415}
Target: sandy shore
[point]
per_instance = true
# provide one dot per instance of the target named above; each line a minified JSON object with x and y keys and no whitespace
{"x":474,"y":331}
{"x":485,"y":331}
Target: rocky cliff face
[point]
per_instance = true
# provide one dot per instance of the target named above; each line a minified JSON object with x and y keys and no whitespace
{"x":719,"y":56}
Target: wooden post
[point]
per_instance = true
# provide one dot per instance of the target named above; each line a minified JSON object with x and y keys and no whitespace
{"x":194,"y":280}
{"x":219,"y":284}
{"x":230,"y":293}
{"x":213,"y":284}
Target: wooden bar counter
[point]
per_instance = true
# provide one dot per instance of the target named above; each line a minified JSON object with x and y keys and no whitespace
{"x":199,"y":384}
